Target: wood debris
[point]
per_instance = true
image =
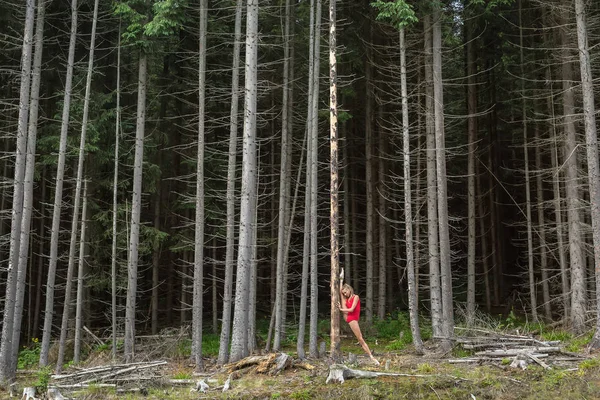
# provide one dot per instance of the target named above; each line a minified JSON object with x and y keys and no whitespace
{"x":521,"y":350}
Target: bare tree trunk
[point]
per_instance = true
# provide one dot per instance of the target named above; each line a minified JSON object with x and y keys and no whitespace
{"x":79,"y":182}
{"x":215,"y":308}
{"x":591,"y":141}
{"x":41,"y":258}
{"x":314,"y":161}
{"x":335,"y":351}
{"x":532,"y":284}
{"x":444,"y":230}
{"x":28,"y":184}
{"x":484,"y":242}
{"x":115,"y":205}
{"x":369,"y":181}
{"x":136,"y":210}
{"x":472,"y":138}
{"x":198,"y":302}
{"x":432,"y":204}
{"x":239,"y":340}
{"x":413,"y":305}
{"x":58,"y":192}
{"x":80,"y":278}
{"x":155,"y":260}
{"x":231,"y":166}
{"x":6,"y":344}
{"x":542,"y":231}
{"x":382,"y":193}
{"x":284,"y":187}
{"x":578,"y":273}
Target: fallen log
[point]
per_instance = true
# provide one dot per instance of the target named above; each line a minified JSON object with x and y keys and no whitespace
{"x":271,"y":364}
{"x":340,"y":373}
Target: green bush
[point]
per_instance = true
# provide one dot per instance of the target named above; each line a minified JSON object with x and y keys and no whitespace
{"x":43,"y":378}
{"x":29,"y":356}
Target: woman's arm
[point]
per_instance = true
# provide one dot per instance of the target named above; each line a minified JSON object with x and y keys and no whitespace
{"x":354,"y":304}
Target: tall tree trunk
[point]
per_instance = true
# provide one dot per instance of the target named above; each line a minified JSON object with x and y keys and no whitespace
{"x":369,"y":180}
{"x":231,"y":166}
{"x":80,"y":277}
{"x":531,"y":271}
{"x":484,"y":241}
{"x":115,"y":204}
{"x":136,"y":210}
{"x":591,"y":141}
{"x":440,"y":146}
{"x":6,"y":343}
{"x":41,"y":257}
{"x":79,"y":182}
{"x":58,"y":192}
{"x":472,"y":138}
{"x":335,"y":350}
{"x":541,"y":230}
{"x":578,"y":286}
{"x":199,"y":231}
{"x":284,"y":186}
{"x":239,"y":339}
{"x":314,"y":162}
{"x":215,"y":308}
{"x":432,"y":204}
{"x":28,"y":184}
{"x":382,"y":225}
{"x":413,"y":305}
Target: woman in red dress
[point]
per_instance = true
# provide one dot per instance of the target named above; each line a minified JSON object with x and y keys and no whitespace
{"x":351,"y":309}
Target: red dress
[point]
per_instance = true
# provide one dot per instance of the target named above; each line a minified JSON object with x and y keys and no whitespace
{"x":354,"y":315}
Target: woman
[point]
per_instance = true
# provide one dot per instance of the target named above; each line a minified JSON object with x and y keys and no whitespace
{"x":351,"y":309}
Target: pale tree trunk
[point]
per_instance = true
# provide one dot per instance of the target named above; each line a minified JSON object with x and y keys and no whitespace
{"x":239,"y":339}
{"x":381,"y":194}
{"x":80,"y":277}
{"x":530,"y":269}
{"x":591,"y":141}
{"x":253,"y":273}
{"x":198,"y":303}
{"x":231,"y":166}
{"x":284,"y":187}
{"x":578,"y":286}
{"x":58,"y":192}
{"x":349,"y":266}
{"x":76,"y":206}
{"x":472,"y":138}
{"x":335,"y":351}
{"x":6,"y":344}
{"x":413,"y":305}
{"x":541,"y":230}
{"x":28,"y":184}
{"x":215,"y":308}
{"x":313,"y":149}
{"x":115,"y":205}
{"x":442,"y":195}
{"x":484,"y":242}
{"x":155,"y":259}
{"x":432,"y":206}
{"x":136,"y":210}
{"x":369,"y":181}
{"x":41,"y":257}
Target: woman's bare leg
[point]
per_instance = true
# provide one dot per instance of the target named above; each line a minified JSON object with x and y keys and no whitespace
{"x":356,"y":330}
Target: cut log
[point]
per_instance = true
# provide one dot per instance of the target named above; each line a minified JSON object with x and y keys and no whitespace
{"x":271,"y":364}
{"x":340,"y":373}
{"x":29,"y":394}
{"x":54,"y":394}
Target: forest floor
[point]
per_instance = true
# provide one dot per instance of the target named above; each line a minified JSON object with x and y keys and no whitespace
{"x":437,"y":377}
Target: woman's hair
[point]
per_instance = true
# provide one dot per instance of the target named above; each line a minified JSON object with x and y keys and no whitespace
{"x":346,"y":286}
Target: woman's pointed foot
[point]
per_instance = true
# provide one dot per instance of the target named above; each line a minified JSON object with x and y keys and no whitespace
{"x":375,"y":361}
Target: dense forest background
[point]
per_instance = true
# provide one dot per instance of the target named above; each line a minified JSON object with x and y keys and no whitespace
{"x":501,"y":213}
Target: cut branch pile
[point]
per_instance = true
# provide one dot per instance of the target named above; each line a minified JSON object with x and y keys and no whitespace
{"x":109,"y":375}
{"x":523,"y":350}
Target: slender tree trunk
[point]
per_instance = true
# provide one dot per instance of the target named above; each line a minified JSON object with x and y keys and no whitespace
{"x":442,"y":194}
{"x":314,"y":161}
{"x":41,"y":258}
{"x":6,"y":344}
{"x":199,"y":231}
{"x":591,"y":141}
{"x":136,"y":210}
{"x":80,"y":278}
{"x":284,"y":186}
{"x":28,"y":184}
{"x":76,"y":206}
{"x":382,"y":193}
{"x":231,"y":166}
{"x":472,"y":138}
{"x":413,"y":305}
{"x":369,"y":181}
{"x":484,"y":241}
{"x":578,"y":286}
{"x":541,"y":230}
{"x":432,"y":204}
{"x":532,"y":283}
{"x":239,"y":340}
{"x":155,"y":260}
{"x":335,"y":350}
{"x":215,"y":308}
{"x":115,"y":205}
{"x":58,"y":192}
